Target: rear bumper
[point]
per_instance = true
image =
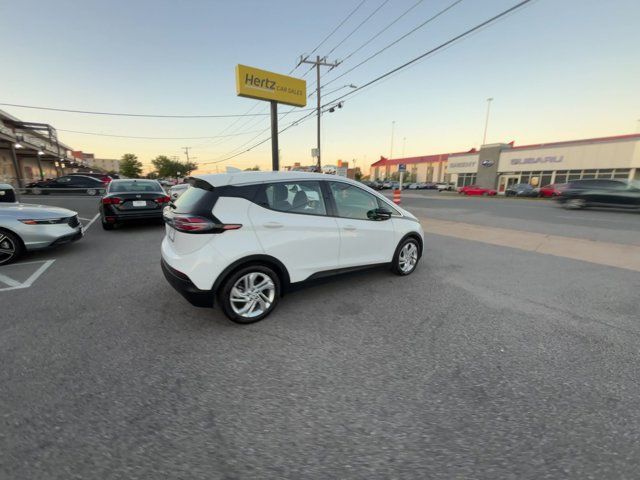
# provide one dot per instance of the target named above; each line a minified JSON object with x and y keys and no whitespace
{"x":182,"y":283}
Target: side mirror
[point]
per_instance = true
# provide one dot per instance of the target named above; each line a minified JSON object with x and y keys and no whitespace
{"x":379,"y":214}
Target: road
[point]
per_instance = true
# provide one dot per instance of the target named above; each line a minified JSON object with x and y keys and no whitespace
{"x":488,"y":362}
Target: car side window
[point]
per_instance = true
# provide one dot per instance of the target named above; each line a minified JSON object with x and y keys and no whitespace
{"x":295,"y":197}
{"x":353,"y":202}
{"x":64,"y":180}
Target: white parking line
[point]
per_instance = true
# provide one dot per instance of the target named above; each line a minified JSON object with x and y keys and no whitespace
{"x":91,"y":222}
{"x":29,"y":281}
{"x":9,"y":281}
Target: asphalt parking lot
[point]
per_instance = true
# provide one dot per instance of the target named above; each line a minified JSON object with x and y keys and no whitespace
{"x":487,"y":362}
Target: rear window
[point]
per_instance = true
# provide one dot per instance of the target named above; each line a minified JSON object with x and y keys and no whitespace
{"x":134,"y":186}
{"x":191,"y":199}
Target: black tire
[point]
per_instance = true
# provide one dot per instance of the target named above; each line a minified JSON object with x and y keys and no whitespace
{"x":10,"y":247}
{"x":92,"y":192}
{"x":396,"y":263}
{"x":224,"y":293}
{"x":108,"y":226}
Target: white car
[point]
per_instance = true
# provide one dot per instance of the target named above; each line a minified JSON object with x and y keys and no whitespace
{"x":441,"y":187}
{"x":177,"y":190}
{"x":244,"y":238}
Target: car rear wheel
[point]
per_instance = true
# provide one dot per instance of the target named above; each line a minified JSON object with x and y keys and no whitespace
{"x":36,"y":191}
{"x":250,"y":294}
{"x":92,"y":191}
{"x":10,"y":247}
{"x":406,"y":257}
{"x":575,"y":203}
{"x":108,"y":226}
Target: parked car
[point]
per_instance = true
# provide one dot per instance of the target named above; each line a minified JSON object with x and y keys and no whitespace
{"x":69,"y":184}
{"x":521,"y":190}
{"x":413,"y":186}
{"x":428,"y":186}
{"x":552,"y":190}
{"x":386,"y":185}
{"x":25,"y":227}
{"x":103,"y":177}
{"x":444,"y":187}
{"x":177,"y":190}
{"x":244,"y":238}
{"x":130,"y":200}
{"x":476,"y":190}
{"x":600,"y":193}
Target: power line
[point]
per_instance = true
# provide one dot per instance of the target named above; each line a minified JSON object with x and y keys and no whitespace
{"x":87,"y":112}
{"x":382,"y":31}
{"x":336,"y":29}
{"x":435,"y":49}
{"x":427,"y":21}
{"x":358,"y":26}
{"x":153,"y":138}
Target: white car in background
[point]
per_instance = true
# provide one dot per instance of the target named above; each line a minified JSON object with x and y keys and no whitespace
{"x":177,"y":190}
{"x":244,"y":238}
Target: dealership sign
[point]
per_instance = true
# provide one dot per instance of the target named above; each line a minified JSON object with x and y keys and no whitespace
{"x":536,"y":160}
{"x":263,"y":85}
{"x":488,"y":163}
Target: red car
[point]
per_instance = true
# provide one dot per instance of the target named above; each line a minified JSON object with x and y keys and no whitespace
{"x":476,"y":190}
{"x":552,"y":190}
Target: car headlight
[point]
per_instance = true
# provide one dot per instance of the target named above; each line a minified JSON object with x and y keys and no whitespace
{"x":49,"y":221}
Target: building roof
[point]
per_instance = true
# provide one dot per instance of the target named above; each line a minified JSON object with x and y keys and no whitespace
{"x":586,"y":141}
{"x":444,"y":156}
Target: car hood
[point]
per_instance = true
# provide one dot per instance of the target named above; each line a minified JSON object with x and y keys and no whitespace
{"x":28,"y":210}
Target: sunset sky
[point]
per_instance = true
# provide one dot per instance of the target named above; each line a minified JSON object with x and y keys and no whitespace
{"x":557,"y":69}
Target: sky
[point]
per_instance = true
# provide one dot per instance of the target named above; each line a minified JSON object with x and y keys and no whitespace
{"x":556,"y":69}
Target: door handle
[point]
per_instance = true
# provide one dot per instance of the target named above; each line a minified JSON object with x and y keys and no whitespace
{"x":273,"y":225}
{"x":349,"y":227}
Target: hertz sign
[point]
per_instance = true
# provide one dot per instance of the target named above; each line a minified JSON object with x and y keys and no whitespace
{"x":263,"y":85}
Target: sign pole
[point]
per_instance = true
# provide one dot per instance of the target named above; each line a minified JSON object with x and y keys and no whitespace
{"x":401,"y":175}
{"x":275,"y":161}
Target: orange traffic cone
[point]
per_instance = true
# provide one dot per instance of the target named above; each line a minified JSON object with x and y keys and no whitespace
{"x":396,"y":196}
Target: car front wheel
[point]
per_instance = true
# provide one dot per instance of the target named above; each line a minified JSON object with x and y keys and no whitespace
{"x":406,"y":258}
{"x":250,"y":294}
{"x":10,"y":247}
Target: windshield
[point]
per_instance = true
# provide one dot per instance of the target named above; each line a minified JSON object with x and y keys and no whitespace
{"x":134,"y":186}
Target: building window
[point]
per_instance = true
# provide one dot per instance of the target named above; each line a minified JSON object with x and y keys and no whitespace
{"x":621,"y":173}
{"x":465,"y":179}
{"x":545,"y":179}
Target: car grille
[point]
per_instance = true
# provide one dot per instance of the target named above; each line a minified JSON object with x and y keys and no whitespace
{"x":73,"y":222}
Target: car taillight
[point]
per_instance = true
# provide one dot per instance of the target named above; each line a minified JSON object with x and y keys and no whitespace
{"x":185,"y":223}
{"x":164,"y":199}
{"x":111,"y":201}
{"x":194,"y":224}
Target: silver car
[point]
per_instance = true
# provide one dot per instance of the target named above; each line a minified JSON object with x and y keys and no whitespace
{"x":177,"y":190}
{"x":33,"y":227}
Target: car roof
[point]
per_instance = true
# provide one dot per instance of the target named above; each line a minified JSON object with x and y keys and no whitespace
{"x":240,"y":178}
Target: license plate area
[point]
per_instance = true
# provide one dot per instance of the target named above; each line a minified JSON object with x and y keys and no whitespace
{"x":139,"y":203}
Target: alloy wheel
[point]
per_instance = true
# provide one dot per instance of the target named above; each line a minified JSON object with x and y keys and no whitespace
{"x":252,"y":294}
{"x":7,"y":249}
{"x":408,"y":257}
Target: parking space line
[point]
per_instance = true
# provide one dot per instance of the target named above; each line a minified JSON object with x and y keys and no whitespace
{"x":91,"y":222}
{"x":9,"y":281}
{"x":29,"y":281}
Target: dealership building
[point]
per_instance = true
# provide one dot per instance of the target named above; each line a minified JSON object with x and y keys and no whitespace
{"x":502,"y":164}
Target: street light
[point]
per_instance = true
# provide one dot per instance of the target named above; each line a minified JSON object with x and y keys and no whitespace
{"x":486,"y":122}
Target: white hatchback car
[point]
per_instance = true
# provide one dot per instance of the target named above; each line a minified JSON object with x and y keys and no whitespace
{"x":244,"y":238}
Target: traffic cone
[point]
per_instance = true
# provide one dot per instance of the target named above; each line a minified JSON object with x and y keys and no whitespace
{"x":396,"y":196}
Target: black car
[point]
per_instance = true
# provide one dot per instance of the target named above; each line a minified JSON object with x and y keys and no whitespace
{"x":601,"y":193}
{"x":68,"y":184}
{"x":132,"y":200}
{"x":521,"y":190}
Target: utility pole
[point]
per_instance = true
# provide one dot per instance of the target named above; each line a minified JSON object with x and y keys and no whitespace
{"x":186,"y":152}
{"x":318,"y":62}
{"x":404,"y":144}
{"x":486,"y":122}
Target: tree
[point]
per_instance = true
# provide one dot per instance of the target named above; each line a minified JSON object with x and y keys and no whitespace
{"x":130,"y":166}
{"x":165,"y":167}
{"x":256,"y":168}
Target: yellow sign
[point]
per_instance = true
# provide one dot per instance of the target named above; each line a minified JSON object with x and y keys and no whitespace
{"x":262,"y":85}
